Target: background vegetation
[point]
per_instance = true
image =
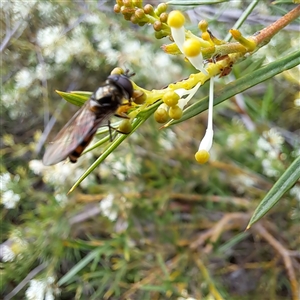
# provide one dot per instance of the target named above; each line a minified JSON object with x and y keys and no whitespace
{"x":149,"y":223}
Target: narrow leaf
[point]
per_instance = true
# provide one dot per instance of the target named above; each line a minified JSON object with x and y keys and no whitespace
{"x":84,"y":262}
{"x":76,"y":98}
{"x":284,"y":183}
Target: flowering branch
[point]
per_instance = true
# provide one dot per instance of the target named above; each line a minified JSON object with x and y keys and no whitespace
{"x":217,"y":55}
{"x":220,"y":55}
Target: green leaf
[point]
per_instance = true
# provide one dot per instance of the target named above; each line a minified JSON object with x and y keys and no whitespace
{"x":232,"y":242}
{"x":77,"y":98}
{"x":242,"y":84}
{"x":242,"y":18}
{"x":283,"y":2}
{"x":284,"y":183}
{"x":83,"y":263}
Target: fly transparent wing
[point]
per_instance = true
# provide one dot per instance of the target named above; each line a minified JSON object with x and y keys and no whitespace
{"x":81,"y":125}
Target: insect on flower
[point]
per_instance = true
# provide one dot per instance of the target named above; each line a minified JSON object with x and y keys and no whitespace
{"x":75,"y":136}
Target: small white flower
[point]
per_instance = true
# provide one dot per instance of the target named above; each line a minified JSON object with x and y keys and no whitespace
{"x":273,"y":154}
{"x":41,"y":289}
{"x":7,"y":254}
{"x":36,"y":290}
{"x":10,"y":199}
{"x":4,"y":181}
{"x":45,"y":8}
{"x":297,"y":102}
{"x":185,"y":296}
{"x":21,"y":8}
{"x":48,"y":36}
{"x":295,"y":191}
{"x":24,"y":78}
{"x":93,"y":19}
{"x":235,"y":140}
{"x":43,"y":71}
{"x":263,"y":144}
{"x":106,"y":206}
{"x":62,"y":54}
{"x":49,"y":295}
{"x":269,"y":169}
{"x":274,"y":136}
{"x":61,"y":198}
{"x":36,"y":166}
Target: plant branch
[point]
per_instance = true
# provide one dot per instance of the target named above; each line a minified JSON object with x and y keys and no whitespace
{"x":284,"y":253}
{"x":264,"y":36}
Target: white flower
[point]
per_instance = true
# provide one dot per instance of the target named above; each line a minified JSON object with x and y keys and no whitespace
{"x":93,"y":19}
{"x":4,"y":181}
{"x":36,"y":166}
{"x":106,"y":206}
{"x":295,"y":191}
{"x":263,"y":144}
{"x":48,"y":36}
{"x":41,"y":289}
{"x":43,"y":71}
{"x":274,"y":136}
{"x":58,"y":173}
{"x":7,"y":254}
{"x":61,"y":198}
{"x":21,"y":8}
{"x":36,"y":290}
{"x":10,"y":199}
{"x":24,"y":78}
{"x":235,"y":140}
{"x":185,"y":296}
{"x":45,"y":8}
{"x":269,"y":169}
{"x":297,"y":102}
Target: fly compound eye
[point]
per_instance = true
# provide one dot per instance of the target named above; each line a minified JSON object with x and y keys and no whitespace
{"x":124,"y":82}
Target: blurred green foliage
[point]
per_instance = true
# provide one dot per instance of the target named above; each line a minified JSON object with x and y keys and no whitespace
{"x":149,"y":223}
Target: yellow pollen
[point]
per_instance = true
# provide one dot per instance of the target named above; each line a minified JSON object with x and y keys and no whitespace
{"x":176,"y":19}
{"x":202,"y":156}
{"x":192,"y":47}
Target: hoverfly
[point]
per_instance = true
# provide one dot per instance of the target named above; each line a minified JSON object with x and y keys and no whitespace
{"x":75,"y":136}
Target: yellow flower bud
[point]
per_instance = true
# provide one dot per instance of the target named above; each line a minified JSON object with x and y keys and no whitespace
{"x":175,"y":112}
{"x":157,"y":25}
{"x":161,"y":115}
{"x":248,"y":43}
{"x":139,"y":97}
{"x":117,"y":8}
{"x":125,"y":126}
{"x":163,"y":17}
{"x":149,"y":10}
{"x":170,"y":98}
{"x":203,"y":25}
